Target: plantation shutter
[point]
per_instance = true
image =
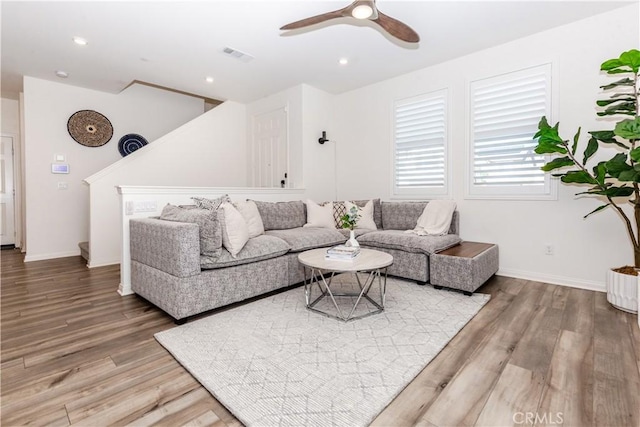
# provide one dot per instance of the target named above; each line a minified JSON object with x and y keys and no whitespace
{"x":505,"y":112}
{"x":420,"y":135}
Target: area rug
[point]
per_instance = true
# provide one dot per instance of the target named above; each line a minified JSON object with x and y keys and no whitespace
{"x":274,"y":363}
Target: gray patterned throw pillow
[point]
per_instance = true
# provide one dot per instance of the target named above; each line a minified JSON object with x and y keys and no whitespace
{"x":208,"y":225}
{"x":212,"y":204}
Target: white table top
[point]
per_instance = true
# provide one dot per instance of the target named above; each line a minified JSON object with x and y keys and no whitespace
{"x":368,"y":259}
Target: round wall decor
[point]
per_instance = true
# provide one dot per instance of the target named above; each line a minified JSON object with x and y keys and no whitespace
{"x":89,"y":128}
{"x":130,"y":143}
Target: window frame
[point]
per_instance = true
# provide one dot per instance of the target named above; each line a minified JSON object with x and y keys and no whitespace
{"x":548,"y":191}
{"x":422,"y":192}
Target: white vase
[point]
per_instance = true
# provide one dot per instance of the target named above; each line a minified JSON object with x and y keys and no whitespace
{"x":352,"y":240}
{"x":622,"y":291}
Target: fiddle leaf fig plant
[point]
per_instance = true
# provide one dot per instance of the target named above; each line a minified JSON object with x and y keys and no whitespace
{"x":614,"y":181}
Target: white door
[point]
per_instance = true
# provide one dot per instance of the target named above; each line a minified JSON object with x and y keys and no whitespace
{"x":7,"y":193}
{"x":270,"y":156}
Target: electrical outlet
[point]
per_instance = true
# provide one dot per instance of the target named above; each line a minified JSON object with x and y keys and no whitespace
{"x":63,"y":186}
{"x":548,"y":249}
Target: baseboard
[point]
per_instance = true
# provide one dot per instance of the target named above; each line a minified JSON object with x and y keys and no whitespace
{"x":122,"y":292}
{"x":94,"y":264}
{"x":42,"y":257}
{"x":554,"y":280}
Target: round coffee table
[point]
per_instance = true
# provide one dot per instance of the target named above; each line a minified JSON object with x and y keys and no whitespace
{"x":323,"y":270}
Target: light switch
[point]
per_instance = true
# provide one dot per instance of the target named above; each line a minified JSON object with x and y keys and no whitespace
{"x":145,"y":206}
{"x":59,"y":158}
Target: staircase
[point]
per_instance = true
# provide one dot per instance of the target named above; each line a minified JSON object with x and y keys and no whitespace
{"x":84,"y":250}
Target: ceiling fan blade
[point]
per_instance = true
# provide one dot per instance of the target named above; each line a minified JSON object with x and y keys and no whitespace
{"x":396,"y":28}
{"x":316,"y":19}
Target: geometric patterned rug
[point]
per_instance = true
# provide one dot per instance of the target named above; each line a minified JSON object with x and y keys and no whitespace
{"x":272,"y":362}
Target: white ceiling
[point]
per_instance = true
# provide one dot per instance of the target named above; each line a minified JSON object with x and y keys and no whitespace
{"x":178,"y":44}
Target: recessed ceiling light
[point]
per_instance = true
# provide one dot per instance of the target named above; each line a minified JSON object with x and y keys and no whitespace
{"x":209,"y":79}
{"x":343,"y":61}
{"x":80,"y":41}
{"x":62,"y":74}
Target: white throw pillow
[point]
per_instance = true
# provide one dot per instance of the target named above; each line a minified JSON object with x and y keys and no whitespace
{"x":235,"y":231}
{"x":320,"y":216}
{"x":436,"y":218}
{"x":249,"y":211}
{"x":366,"y":215}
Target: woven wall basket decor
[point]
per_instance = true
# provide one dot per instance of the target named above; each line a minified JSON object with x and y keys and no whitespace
{"x":130,"y":143}
{"x":89,"y":128}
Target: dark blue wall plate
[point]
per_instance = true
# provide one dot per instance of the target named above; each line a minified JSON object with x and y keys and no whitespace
{"x":130,"y":143}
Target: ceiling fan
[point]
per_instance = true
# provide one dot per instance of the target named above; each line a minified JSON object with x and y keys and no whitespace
{"x":362,"y":9}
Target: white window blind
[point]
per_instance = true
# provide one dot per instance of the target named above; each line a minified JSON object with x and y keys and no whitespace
{"x":505,"y":111}
{"x":420,"y":145}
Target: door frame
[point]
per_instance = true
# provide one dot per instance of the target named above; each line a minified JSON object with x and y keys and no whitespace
{"x":18,"y":219}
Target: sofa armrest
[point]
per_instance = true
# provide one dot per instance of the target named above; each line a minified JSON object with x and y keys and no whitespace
{"x":172,"y":247}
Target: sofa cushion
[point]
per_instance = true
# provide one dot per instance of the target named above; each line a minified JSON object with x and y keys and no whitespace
{"x":366,"y":215}
{"x":235,"y":231}
{"x":208,"y":226}
{"x":282,"y":215}
{"x":401,"y":215}
{"x":302,"y":239}
{"x":339,"y":210}
{"x":377,"y":210}
{"x":319,"y":216}
{"x":257,"y":249}
{"x":357,"y":231}
{"x":251,"y":215}
{"x":408,"y":242}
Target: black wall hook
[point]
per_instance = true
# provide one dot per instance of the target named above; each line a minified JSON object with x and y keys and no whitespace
{"x":323,"y":139}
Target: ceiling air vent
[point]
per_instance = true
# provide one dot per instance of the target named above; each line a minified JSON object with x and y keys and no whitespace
{"x":244,"y":57}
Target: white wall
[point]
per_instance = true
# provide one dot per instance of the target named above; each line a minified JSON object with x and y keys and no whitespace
{"x":209,"y":151}
{"x":309,"y":111}
{"x":318,"y":161}
{"x":584,"y":249}
{"x":10,"y":116}
{"x":57,"y":220}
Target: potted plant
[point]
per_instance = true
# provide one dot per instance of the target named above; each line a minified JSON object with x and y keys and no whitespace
{"x":615,"y":181}
{"x":349,"y":220}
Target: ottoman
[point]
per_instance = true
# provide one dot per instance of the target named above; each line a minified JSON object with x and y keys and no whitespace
{"x":464,"y":267}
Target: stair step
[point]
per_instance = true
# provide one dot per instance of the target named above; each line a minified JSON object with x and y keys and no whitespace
{"x":84,"y":250}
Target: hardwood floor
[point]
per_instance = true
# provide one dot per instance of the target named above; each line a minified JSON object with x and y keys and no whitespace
{"x":76,"y":353}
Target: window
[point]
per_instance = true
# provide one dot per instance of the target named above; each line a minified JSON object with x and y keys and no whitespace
{"x":504,"y":115}
{"x":420,"y":145}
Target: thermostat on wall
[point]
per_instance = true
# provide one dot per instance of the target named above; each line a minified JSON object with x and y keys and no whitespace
{"x":59,"y":168}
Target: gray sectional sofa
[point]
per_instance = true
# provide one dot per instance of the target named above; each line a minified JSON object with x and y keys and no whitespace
{"x":168,"y":270}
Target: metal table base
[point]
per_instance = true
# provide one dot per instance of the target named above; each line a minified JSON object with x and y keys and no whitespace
{"x":318,"y":278}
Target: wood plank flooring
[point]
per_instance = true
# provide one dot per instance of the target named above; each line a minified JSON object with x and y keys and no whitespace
{"x":74,"y":352}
